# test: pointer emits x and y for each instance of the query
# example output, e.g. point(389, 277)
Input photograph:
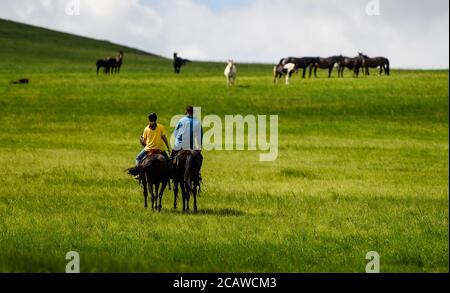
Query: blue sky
point(412, 33)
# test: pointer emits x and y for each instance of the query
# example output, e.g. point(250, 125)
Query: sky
point(411, 33)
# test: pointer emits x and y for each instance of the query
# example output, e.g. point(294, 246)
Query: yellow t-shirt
point(153, 138)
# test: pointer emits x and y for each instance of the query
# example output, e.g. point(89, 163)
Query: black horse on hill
point(376, 62)
point(326, 63)
point(301, 63)
point(178, 63)
point(111, 65)
point(355, 64)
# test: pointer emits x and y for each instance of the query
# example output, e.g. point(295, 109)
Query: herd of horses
point(287, 66)
point(110, 65)
point(155, 175)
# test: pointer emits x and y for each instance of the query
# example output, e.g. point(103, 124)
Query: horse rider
point(153, 140)
point(188, 135)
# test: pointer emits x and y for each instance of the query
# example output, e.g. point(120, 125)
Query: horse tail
point(138, 170)
point(187, 171)
point(388, 69)
point(191, 171)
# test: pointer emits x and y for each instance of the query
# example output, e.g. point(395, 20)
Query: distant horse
point(186, 175)
point(178, 63)
point(231, 72)
point(303, 63)
point(118, 64)
point(376, 62)
point(354, 64)
point(154, 176)
point(280, 70)
point(110, 64)
point(326, 63)
point(20, 81)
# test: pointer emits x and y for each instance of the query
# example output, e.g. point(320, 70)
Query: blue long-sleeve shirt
point(188, 134)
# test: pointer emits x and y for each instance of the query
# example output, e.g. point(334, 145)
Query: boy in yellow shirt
point(153, 139)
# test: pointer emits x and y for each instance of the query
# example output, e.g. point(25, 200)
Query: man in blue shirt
point(188, 134)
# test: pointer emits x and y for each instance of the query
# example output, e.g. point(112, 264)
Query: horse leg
point(194, 192)
point(175, 194)
point(152, 193)
point(161, 193)
point(330, 71)
point(304, 73)
point(158, 205)
point(188, 195)
point(144, 184)
point(183, 194)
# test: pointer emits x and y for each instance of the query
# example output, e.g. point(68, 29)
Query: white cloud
point(413, 34)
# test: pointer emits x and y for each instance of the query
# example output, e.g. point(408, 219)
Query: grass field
point(362, 166)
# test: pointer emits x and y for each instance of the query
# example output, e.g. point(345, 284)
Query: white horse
point(286, 69)
point(231, 72)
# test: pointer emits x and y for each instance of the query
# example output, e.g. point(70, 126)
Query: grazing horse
point(186, 175)
point(154, 176)
point(303, 63)
point(354, 64)
point(326, 63)
point(231, 72)
point(178, 63)
point(376, 62)
point(280, 70)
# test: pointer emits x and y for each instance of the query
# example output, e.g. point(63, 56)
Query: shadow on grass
point(212, 212)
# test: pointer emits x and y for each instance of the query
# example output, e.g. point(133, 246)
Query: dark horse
point(326, 63)
point(110, 64)
point(354, 64)
point(118, 64)
point(186, 175)
point(154, 176)
point(178, 63)
point(376, 62)
point(303, 63)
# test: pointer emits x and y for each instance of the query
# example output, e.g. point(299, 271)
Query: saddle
point(153, 155)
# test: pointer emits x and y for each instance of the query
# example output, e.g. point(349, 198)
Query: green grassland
point(362, 166)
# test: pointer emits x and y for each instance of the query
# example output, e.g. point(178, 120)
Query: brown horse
point(154, 177)
point(326, 63)
point(354, 64)
point(376, 62)
point(186, 175)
